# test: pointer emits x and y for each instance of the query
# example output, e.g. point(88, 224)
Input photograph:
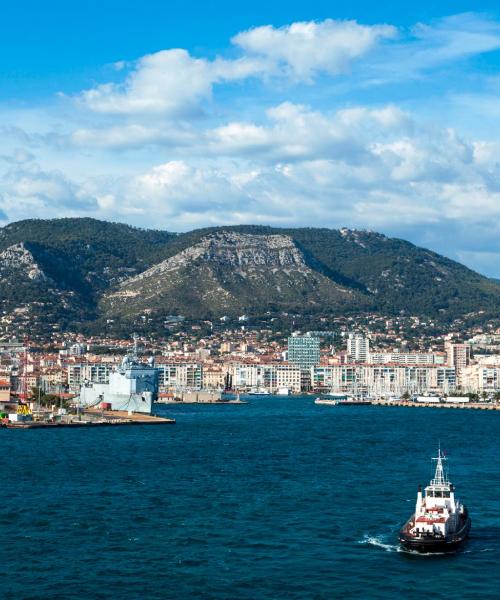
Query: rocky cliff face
point(246, 254)
point(19, 260)
point(228, 272)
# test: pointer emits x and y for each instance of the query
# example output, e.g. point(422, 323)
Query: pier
point(92, 418)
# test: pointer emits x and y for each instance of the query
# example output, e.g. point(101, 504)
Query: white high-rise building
point(358, 347)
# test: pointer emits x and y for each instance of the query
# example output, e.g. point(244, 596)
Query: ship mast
point(440, 477)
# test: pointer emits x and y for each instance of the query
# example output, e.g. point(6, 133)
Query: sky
point(178, 115)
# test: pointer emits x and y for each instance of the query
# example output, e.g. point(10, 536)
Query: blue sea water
point(277, 498)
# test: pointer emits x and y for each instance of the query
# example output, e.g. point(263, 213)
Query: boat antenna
point(440, 475)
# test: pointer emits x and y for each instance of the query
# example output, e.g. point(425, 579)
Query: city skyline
point(378, 118)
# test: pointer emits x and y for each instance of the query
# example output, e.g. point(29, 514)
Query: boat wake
point(380, 543)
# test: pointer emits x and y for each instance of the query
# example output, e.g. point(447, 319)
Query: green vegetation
point(84, 260)
point(47, 400)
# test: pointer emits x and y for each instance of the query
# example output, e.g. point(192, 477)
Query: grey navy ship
point(132, 387)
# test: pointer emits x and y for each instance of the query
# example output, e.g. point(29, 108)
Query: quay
point(134, 418)
point(92, 418)
point(457, 405)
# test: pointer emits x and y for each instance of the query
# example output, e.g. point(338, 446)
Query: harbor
point(459, 402)
point(126, 399)
point(232, 475)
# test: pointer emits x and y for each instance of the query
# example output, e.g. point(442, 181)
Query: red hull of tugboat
point(429, 544)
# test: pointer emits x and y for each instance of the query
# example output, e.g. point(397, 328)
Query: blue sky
point(183, 115)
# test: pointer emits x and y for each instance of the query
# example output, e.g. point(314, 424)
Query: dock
point(93, 418)
point(456, 405)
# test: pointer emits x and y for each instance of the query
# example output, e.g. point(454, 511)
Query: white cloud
point(425, 48)
point(359, 166)
point(172, 82)
point(28, 191)
point(296, 132)
point(169, 81)
point(300, 146)
point(455, 37)
point(179, 190)
point(304, 49)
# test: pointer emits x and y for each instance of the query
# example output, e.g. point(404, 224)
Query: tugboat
point(440, 523)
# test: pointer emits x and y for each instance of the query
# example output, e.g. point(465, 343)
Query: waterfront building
point(480, 378)
point(383, 380)
point(303, 350)
point(358, 348)
point(289, 377)
point(176, 375)
point(213, 379)
point(489, 378)
point(87, 373)
point(268, 377)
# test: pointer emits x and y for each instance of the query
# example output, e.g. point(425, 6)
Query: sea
point(277, 498)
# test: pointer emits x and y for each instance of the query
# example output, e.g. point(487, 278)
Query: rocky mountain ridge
point(77, 273)
point(228, 271)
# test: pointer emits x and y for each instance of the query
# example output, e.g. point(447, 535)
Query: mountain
point(79, 273)
point(228, 272)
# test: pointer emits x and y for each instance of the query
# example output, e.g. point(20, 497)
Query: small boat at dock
point(441, 523)
point(332, 399)
point(326, 401)
point(340, 399)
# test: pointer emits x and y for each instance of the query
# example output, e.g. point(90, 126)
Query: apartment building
point(379, 380)
point(87, 372)
point(457, 355)
point(406, 358)
point(480, 378)
point(180, 375)
point(268, 377)
point(358, 348)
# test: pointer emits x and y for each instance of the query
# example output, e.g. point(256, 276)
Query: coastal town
point(223, 363)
